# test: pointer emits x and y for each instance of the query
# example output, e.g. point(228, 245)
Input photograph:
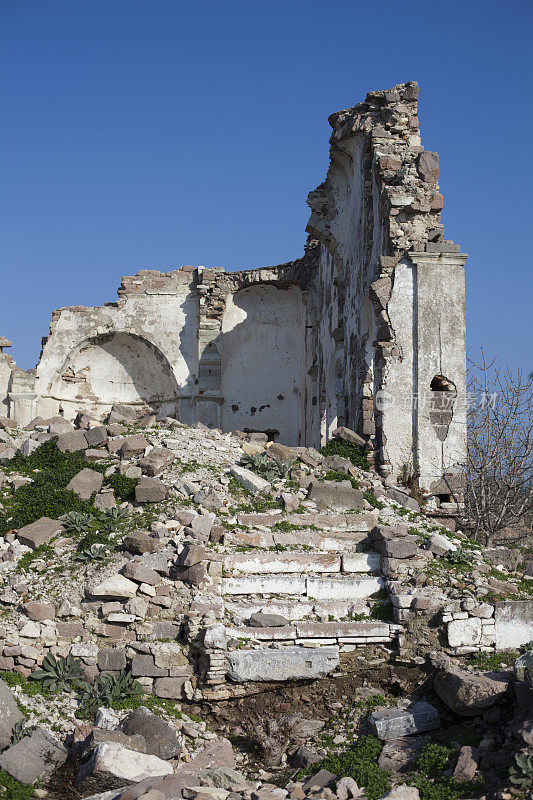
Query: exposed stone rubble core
point(366, 330)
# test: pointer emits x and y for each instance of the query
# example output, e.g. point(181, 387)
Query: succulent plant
point(59, 674)
point(521, 772)
point(112, 517)
point(265, 466)
point(96, 552)
point(75, 522)
point(107, 690)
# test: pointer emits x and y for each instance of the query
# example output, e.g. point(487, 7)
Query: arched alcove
point(117, 368)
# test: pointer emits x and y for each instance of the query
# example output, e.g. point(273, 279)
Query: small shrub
point(13, 790)
point(123, 488)
point(268, 468)
point(433, 759)
point(76, 523)
point(108, 690)
point(44, 552)
point(371, 498)
point(359, 763)
point(338, 475)
point(338, 447)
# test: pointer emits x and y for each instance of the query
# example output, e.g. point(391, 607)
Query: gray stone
point(467, 764)
point(346, 788)
point(440, 544)
point(114, 586)
point(150, 490)
point(140, 542)
point(403, 499)
point(260, 620)
point(34, 758)
point(39, 532)
point(105, 500)
point(156, 461)
point(428, 166)
point(112, 659)
point(144, 665)
point(192, 554)
point(303, 757)
point(290, 663)
point(133, 445)
point(402, 793)
point(169, 688)
point(393, 723)
point(136, 571)
point(347, 435)
point(320, 780)
point(86, 483)
point(10, 714)
point(192, 576)
point(393, 541)
point(38, 611)
point(469, 694)
point(99, 735)
point(250, 480)
point(338, 495)
point(162, 739)
point(113, 760)
point(96, 436)
point(72, 441)
point(201, 526)
point(523, 666)
point(224, 778)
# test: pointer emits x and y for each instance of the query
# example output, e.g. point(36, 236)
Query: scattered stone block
point(72, 441)
point(469, 694)
point(260, 620)
point(34, 758)
point(464, 632)
point(98, 736)
point(289, 663)
point(86, 483)
point(140, 542)
point(254, 483)
point(393, 723)
point(133, 445)
point(162, 740)
point(114, 586)
point(338, 495)
point(10, 714)
point(39, 532)
point(110, 759)
point(347, 435)
point(467, 764)
point(150, 490)
point(38, 611)
point(96, 436)
point(136, 571)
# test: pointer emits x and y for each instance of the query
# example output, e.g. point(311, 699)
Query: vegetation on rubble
point(338, 447)
point(338, 475)
point(521, 772)
point(360, 763)
point(107, 690)
point(51, 471)
point(266, 467)
point(371, 498)
point(59, 674)
point(493, 662)
point(258, 505)
point(13, 790)
point(433, 759)
point(42, 553)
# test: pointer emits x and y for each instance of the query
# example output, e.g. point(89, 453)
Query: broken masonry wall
point(392, 318)
point(141, 350)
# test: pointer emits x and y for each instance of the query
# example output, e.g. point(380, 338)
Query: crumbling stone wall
point(367, 330)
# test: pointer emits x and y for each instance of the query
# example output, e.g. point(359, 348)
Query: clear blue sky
point(156, 133)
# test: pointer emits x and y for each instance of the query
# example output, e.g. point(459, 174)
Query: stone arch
point(116, 367)
point(263, 362)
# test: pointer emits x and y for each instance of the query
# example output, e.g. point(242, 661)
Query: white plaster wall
point(5, 376)
point(328, 322)
point(166, 321)
point(397, 396)
point(441, 348)
point(263, 362)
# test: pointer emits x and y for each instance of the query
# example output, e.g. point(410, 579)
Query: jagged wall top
point(410, 201)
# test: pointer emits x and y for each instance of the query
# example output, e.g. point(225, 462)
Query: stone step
point(262, 563)
point(342, 588)
point(329, 542)
point(259, 562)
point(343, 631)
point(297, 609)
point(322, 519)
point(289, 663)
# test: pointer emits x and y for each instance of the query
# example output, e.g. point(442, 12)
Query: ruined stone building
point(366, 330)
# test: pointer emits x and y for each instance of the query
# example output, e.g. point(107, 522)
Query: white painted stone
point(114, 586)
point(361, 562)
point(343, 588)
point(288, 663)
point(254, 483)
point(268, 563)
point(464, 632)
point(513, 624)
point(264, 585)
point(110, 759)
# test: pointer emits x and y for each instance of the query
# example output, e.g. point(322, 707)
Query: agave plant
point(75, 522)
point(521, 773)
point(59, 674)
point(265, 466)
point(108, 690)
point(96, 552)
point(20, 730)
point(112, 517)
point(458, 556)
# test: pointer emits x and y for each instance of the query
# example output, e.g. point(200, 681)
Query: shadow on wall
point(117, 368)
point(263, 362)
